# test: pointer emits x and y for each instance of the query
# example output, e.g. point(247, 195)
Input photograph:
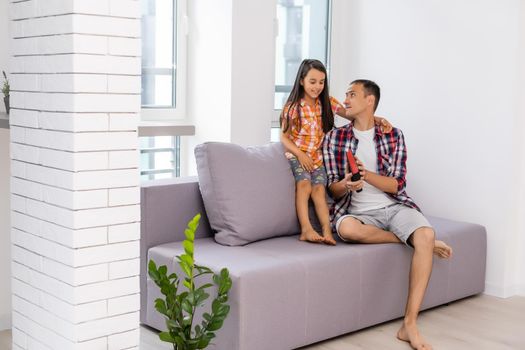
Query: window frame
point(179, 112)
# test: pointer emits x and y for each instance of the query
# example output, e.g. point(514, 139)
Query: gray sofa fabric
point(287, 293)
point(248, 193)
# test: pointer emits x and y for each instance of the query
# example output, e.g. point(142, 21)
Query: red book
point(354, 170)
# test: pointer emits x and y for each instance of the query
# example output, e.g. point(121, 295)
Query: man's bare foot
point(442, 250)
point(311, 236)
point(410, 334)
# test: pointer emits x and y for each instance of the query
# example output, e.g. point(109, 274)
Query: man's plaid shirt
point(391, 161)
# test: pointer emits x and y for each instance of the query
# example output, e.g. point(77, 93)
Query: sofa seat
point(287, 293)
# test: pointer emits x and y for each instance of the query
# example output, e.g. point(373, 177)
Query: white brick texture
point(75, 73)
point(124, 268)
point(124, 340)
point(123, 233)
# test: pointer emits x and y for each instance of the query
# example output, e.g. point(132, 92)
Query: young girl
point(307, 115)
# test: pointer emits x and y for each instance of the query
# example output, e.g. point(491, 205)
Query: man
point(381, 212)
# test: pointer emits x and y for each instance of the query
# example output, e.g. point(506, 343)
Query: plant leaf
point(185, 268)
point(163, 270)
point(186, 259)
point(203, 343)
point(160, 306)
point(180, 307)
point(188, 248)
point(204, 286)
point(153, 273)
point(214, 325)
point(201, 297)
point(165, 336)
point(190, 234)
point(203, 269)
point(187, 306)
point(193, 224)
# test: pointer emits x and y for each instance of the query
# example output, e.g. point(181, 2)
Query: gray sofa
point(287, 293)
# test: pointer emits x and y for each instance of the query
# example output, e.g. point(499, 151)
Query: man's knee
point(424, 237)
point(351, 229)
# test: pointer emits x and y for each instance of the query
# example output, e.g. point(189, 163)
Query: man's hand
point(353, 185)
point(385, 125)
point(306, 162)
point(361, 167)
point(384, 183)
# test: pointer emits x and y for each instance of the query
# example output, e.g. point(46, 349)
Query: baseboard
point(505, 291)
point(5, 322)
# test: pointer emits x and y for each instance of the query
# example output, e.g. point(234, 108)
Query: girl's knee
point(318, 191)
point(304, 186)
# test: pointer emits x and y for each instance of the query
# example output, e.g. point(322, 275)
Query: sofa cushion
point(248, 193)
point(287, 293)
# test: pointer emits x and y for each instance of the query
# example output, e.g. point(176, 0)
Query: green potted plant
point(6, 90)
point(180, 304)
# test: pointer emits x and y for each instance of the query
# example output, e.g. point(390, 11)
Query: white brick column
point(75, 74)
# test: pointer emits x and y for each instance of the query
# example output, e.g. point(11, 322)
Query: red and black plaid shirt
point(391, 161)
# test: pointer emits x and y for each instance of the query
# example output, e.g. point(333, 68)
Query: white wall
point(5, 241)
point(449, 73)
point(520, 126)
point(209, 75)
point(231, 47)
point(253, 76)
point(209, 68)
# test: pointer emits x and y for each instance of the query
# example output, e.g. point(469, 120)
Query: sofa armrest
point(166, 207)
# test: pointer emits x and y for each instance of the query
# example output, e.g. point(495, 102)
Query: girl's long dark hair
point(297, 93)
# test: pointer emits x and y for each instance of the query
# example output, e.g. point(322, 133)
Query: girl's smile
point(313, 84)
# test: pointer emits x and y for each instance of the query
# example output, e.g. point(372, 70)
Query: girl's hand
point(306, 162)
point(385, 125)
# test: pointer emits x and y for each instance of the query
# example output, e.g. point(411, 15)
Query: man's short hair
point(370, 88)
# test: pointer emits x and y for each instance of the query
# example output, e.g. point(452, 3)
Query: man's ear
point(370, 100)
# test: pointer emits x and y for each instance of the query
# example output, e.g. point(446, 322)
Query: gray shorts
point(396, 218)
point(316, 177)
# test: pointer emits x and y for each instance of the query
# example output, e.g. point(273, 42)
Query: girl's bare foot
point(327, 235)
point(311, 236)
point(410, 334)
point(442, 250)
point(329, 239)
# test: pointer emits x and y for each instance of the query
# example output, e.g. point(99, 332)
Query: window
point(164, 30)
point(303, 33)
point(304, 30)
point(163, 59)
point(159, 157)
